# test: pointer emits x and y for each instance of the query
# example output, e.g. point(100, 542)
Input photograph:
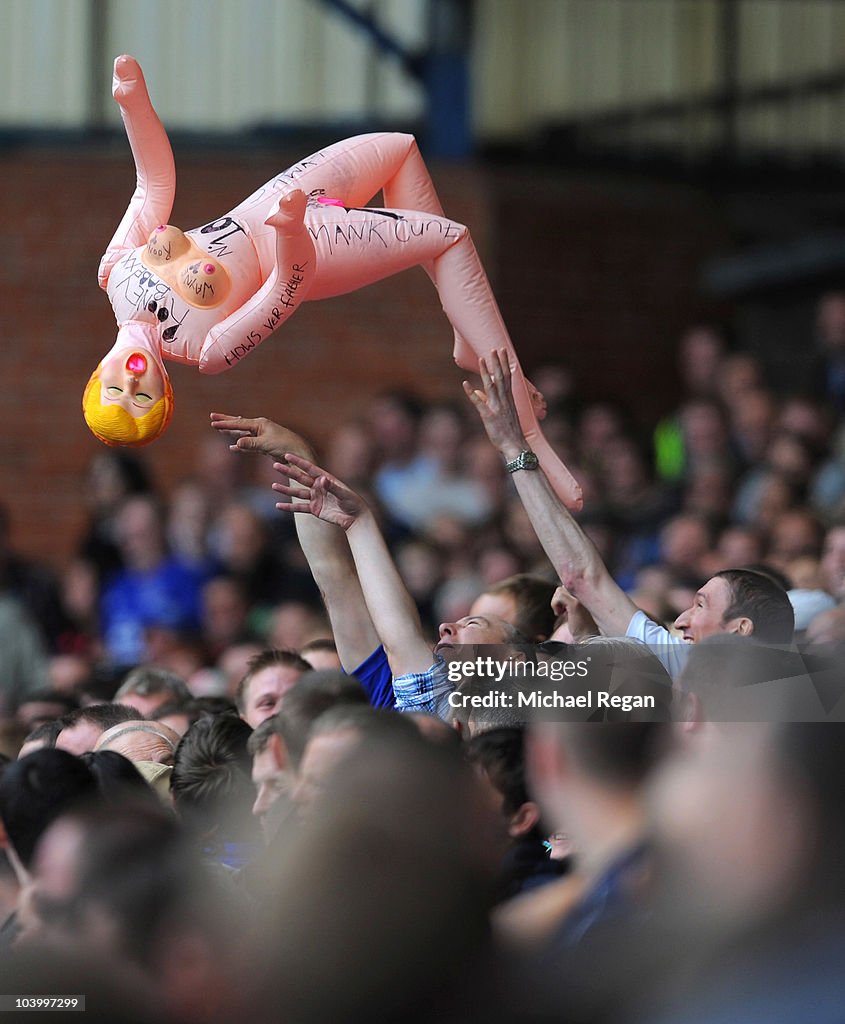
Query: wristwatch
point(525, 460)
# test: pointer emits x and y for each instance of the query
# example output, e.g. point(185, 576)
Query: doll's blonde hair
point(113, 425)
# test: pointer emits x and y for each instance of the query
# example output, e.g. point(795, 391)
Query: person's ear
point(278, 750)
point(691, 717)
point(526, 817)
point(546, 763)
point(744, 626)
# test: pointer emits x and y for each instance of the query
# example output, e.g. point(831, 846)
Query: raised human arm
point(570, 551)
point(392, 609)
point(323, 544)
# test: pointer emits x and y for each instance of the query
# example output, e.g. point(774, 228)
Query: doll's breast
point(188, 282)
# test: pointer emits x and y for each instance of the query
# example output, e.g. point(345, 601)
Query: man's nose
point(447, 630)
point(682, 620)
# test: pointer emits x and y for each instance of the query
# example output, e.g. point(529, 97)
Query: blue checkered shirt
point(425, 691)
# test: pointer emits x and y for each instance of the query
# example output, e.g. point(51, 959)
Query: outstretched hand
point(260, 435)
point(317, 492)
point(495, 405)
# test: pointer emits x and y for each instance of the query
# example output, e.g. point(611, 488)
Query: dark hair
point(215, 705)
point(104, 715)
point(117, 777)
point(267, 659)
point(136, 862)
point(47, 731)
point(617, 754)
point(757, 597)
point(532, 597)
point(35, 790)
point(364, 719)
point(147, 681)
point(212, 772)
point(48, 696)
point(322, 643)
point(406, 401)
point(775, 575)
point(314, 693)
point(500, 753)
point(194, 709)
point(261, 734)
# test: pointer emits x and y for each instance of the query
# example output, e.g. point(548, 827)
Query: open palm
point(313, 490)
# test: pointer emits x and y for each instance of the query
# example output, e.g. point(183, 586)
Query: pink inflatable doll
point(209, 297)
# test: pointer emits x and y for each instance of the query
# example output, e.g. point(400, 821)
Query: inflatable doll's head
point(128, 399)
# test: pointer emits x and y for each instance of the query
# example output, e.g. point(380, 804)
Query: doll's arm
point(282, 293)
point(152, 201)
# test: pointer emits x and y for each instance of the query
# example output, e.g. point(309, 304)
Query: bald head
point(141, 741)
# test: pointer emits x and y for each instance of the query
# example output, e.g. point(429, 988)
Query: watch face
point(525, 460)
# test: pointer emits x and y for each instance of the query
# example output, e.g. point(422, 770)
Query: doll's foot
point(289, 217)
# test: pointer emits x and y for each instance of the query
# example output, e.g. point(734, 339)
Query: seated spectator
point(212, 789)
point(118, 779)
point(293, 624)
point(33, 586)
point(113, 476)
point(152, 589)
point(268, 677)
point(34, 791)
point(335, 735)
point(140, 740)
point(81, 729)
point(147, 688)
point(347, 872)
point(44, 706)
point(833, 561)
point(499, 757)
point(225, 615)
point(243, 547)
point(181, 715)
point(23, 659)
point(592, 775)
point(123, 885)
point(42, 736)
point(270, 772)
point(313, 695)
point(321, 654)
point(448, 491)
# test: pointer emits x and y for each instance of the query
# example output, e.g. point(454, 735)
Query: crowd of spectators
point(213, 809)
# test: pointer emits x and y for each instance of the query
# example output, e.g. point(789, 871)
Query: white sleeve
point(671, 651)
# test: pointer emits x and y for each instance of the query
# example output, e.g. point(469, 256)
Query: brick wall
point(603, 279)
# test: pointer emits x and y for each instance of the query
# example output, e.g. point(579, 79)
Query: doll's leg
point(152, 201)
point(353, 171)
point(469, 304)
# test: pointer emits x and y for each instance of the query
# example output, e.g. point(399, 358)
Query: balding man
point(139, 740)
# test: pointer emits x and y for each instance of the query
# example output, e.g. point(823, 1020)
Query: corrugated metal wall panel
point(224, 65)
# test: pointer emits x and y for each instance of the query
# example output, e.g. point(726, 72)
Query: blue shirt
point(375, 676)
point(168, 596)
